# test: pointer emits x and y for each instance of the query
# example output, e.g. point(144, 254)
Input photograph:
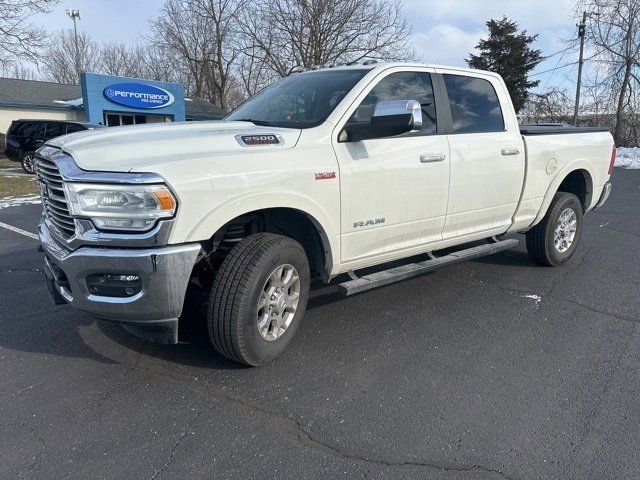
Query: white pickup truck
point(326, 172)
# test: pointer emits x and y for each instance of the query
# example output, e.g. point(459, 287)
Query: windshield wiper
point(254, 121)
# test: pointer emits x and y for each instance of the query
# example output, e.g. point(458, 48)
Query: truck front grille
point(54, 200)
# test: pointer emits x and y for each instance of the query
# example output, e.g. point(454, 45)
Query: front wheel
point(27, 162)
point(258, 298)
point(554, 240)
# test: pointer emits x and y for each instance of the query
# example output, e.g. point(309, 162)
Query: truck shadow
point(513, 258)
point(194, 348)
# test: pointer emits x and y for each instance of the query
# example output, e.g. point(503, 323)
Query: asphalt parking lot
point(491, 369)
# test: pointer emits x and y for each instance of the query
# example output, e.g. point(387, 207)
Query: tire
point(549, 248)
point(27, 162)
point(239, 328)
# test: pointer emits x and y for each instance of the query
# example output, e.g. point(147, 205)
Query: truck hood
point(123, 149)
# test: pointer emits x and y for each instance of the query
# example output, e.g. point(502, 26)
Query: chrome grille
point(54, 201)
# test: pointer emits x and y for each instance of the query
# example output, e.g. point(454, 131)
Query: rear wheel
point(554, 240)
point(27, 162)
point(258, 298)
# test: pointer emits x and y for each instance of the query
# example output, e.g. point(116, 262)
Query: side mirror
point(390, 118)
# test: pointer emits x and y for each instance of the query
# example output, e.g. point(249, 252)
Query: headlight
point(120, 207)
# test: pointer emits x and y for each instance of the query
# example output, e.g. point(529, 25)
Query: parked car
point(24, 137)
point(326, 172)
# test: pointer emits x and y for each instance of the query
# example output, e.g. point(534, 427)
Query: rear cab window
point(474, 103)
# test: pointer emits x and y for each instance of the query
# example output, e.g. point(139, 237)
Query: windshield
point(302, 100)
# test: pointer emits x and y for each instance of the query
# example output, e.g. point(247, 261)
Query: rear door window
point(55, 129)
point(30, 129)
point(475, 107)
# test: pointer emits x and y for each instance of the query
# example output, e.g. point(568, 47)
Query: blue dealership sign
point(103, 94)
point(138, 95)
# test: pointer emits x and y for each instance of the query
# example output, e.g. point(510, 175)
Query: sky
point(443, 32)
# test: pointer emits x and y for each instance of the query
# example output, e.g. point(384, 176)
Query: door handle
point(510, 151)
point(433, 157)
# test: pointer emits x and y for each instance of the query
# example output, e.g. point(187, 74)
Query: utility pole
point(75, 14)
point(581, 34)
point(582, 28)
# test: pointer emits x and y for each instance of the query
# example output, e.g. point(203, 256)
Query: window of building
point(474, 105)
point(117, 119)
point(112, 120)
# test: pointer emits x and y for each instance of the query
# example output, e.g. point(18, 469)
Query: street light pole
point(75, 14)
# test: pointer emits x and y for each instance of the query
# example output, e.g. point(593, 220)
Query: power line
point(542, 59)
point(553, 69)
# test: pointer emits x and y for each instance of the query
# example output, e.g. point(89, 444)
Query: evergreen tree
point(509, 53)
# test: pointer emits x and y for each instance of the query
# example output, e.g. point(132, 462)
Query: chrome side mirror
point(390, 118)
point(388, 108)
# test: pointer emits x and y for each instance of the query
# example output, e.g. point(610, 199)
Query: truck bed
point(557, 129)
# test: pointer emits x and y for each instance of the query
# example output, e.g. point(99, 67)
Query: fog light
point(114, 285)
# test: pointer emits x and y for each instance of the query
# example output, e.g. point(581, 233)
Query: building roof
point(35, 93)
point(39, 94)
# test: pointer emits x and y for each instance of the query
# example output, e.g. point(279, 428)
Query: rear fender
point(557, 181)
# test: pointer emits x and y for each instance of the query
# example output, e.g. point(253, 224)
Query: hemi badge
point(325, 175)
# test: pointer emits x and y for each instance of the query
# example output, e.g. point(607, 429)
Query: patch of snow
point(6, 202)
point(628, 157)
point(536, 298)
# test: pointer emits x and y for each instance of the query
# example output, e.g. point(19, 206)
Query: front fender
point(224, 213)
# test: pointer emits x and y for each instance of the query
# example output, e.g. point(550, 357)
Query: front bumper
point(152, 312)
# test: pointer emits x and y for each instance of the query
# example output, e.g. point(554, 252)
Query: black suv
point(24, 137)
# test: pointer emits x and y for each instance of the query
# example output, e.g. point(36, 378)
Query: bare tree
point(60, 57)
point(202, 38)
point(254, 72)
point(157, 64)
point(615, 32)
point(19, 39)
point(551, 106)
point(285, 33)
point(19, 71)
point(228, 49)
point(186, 38)
point(120, 59)
point(223, 17)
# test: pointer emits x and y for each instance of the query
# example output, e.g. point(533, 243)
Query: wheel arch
point(312, 230)
point(575, 178)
